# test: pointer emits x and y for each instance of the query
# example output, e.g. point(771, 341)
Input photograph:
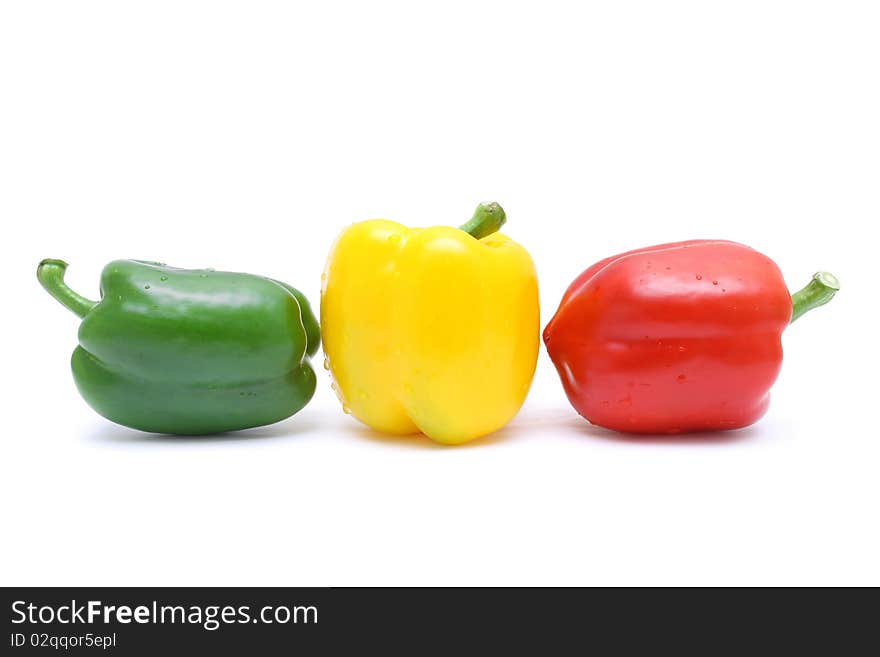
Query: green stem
point(50, 273)
point(487, 219)
point(819, 291)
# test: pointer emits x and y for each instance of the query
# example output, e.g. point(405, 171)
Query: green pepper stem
point(487, 219)
point(819, 291)
point(50, 273)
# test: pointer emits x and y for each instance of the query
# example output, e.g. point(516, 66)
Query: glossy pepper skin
point(191, 352)
point(432, 330)
point(676, 337)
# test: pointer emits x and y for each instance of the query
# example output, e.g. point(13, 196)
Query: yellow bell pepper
point(431, 329)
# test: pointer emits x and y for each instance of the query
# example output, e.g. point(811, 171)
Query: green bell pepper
point(189, 352)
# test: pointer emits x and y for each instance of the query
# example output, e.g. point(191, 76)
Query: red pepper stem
point(819, 291)
point(50, 273)
point(487, 219)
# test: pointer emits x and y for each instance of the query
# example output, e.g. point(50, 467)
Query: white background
point(246, 135)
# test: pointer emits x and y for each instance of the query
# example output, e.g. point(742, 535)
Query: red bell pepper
point(677, 337)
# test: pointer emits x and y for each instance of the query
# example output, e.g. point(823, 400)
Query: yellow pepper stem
point(487, 219)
